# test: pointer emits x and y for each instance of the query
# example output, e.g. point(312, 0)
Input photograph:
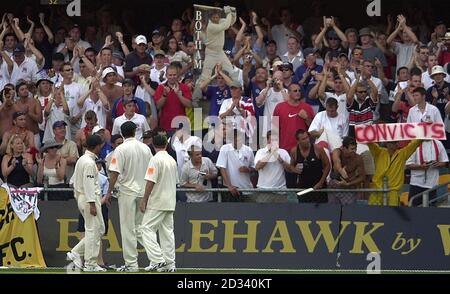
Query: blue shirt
point(140, 104)
point(107, 148)
point(309, 83)
point(216, 96)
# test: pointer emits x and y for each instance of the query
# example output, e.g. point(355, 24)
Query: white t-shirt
point(337, 125)
point(27, 71)
point(72, 92)
point(99, 110)
point(162, 170)
point(272, 175)
point(431, 114)
point(429, 154)
point(144, 95)
point(5, 78)
point(232, 159)
point(56, 114)
point(342, 102)
point(130, 160)
point(140, 121)
point(272, 99)
point(155, 73)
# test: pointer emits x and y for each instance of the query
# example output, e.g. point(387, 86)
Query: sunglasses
point(295, 91)
point(362, 92)
point(336, 39)
point(69, 69)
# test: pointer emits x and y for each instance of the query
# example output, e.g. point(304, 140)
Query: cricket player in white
point(158, 206)
point(87, 193)
point(130, 160)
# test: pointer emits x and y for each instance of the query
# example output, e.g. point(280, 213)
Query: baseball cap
point(156, 32)
point(309, 51)
point(107, 71)
point(287, 65)
point(141, 39)
point(128, 82)
point(19, 48)
point(343, 55)
point(147, 134)
point(75, 26)
point(97, 129)
point(59, 123)
point(159, 53)
point(127, 126)
point(118, 55)
point(93, 140)
point(188, 75)
point(365, 32)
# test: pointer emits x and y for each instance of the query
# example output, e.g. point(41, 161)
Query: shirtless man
point(31, 108)
point(111, 90)
point(18, 128)
point(6, 111)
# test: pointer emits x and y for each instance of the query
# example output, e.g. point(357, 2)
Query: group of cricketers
point(146, 200)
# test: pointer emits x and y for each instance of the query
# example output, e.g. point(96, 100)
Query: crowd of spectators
point(293, 89)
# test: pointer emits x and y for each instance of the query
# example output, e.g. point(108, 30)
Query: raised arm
point(124, 46)
point(47, 30)
point(352, 91)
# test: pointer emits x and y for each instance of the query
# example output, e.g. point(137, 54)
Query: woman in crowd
point(17, 166)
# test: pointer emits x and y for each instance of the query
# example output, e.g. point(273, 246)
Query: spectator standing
point(312, 166)
point(424, 164)
point(404, 50)
point(283, 31)
point(172, 98)
point(294, 54)
point(197, 173)
point(139, 120)
point(271, 162)
point(236, 162)
point(292, 114)
point(52, 169)
point(17, 165)
point(348, 172)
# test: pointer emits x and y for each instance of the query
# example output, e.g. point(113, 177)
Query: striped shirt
point(361, 114)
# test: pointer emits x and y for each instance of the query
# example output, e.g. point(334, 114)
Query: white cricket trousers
point(89, 246)
point(161, 222)
point(130, 222)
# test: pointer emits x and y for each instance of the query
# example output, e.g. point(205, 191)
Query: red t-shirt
point(290, 122)
point(173, 106)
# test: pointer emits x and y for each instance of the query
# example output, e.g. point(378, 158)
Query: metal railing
point(425, 195)
point(385, 191)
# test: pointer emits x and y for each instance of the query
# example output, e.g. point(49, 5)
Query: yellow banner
point(19, 241)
